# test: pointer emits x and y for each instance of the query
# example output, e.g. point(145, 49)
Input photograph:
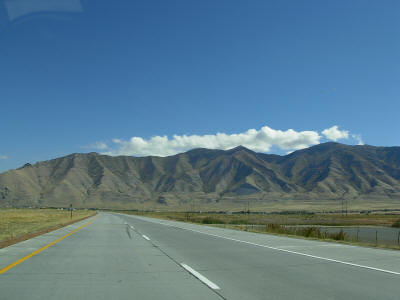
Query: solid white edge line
point(200, 277)
point(145, 237)
point(283, 250)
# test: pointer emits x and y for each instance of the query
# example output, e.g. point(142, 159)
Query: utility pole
point(70, 208)
point(248, 211)
point(190, 209)
point(342, 207)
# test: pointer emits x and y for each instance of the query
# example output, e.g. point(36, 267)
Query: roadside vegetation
point(396, 224)
point(310, 232)
point(284, 218)
point(20, 224)
point(300, 224)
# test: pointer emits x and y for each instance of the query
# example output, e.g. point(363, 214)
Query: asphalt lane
point(128, 257)
point(248, 271)
point(105, 260)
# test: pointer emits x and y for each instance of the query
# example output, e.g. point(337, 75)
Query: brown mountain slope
point(211, 178)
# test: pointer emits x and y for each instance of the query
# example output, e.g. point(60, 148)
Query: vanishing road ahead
point(115, 256)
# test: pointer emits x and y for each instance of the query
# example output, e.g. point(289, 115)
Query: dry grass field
point(20, 224)
point(334, 219)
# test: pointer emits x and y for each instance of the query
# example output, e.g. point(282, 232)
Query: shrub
point(211, 220)
point(396, 223)
point(339, 236)
point(238, 221)
point(310, 232)
point(274, 227)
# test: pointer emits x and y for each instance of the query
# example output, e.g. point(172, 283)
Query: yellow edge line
point(5, 269)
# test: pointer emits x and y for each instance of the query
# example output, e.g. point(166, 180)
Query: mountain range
point(320, 176)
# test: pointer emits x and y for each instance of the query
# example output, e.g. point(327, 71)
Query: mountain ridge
point(212, 178)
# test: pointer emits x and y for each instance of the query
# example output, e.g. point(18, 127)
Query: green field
point(20, 224)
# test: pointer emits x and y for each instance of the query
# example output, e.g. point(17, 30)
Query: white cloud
point(358, 138)
point(335, 134)
point(3, 157)
point(258, 140)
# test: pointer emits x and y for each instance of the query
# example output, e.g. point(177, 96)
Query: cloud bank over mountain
point(261, 140)
point(335, 134)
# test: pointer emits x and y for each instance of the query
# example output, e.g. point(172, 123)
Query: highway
point(116, 256)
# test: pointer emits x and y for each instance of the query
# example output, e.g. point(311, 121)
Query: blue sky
point(89, 75)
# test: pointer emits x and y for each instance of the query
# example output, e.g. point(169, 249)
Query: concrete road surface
point(116, 256)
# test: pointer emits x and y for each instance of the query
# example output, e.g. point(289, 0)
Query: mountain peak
point(239, 149)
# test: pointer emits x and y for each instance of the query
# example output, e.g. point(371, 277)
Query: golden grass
point(20, 224)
